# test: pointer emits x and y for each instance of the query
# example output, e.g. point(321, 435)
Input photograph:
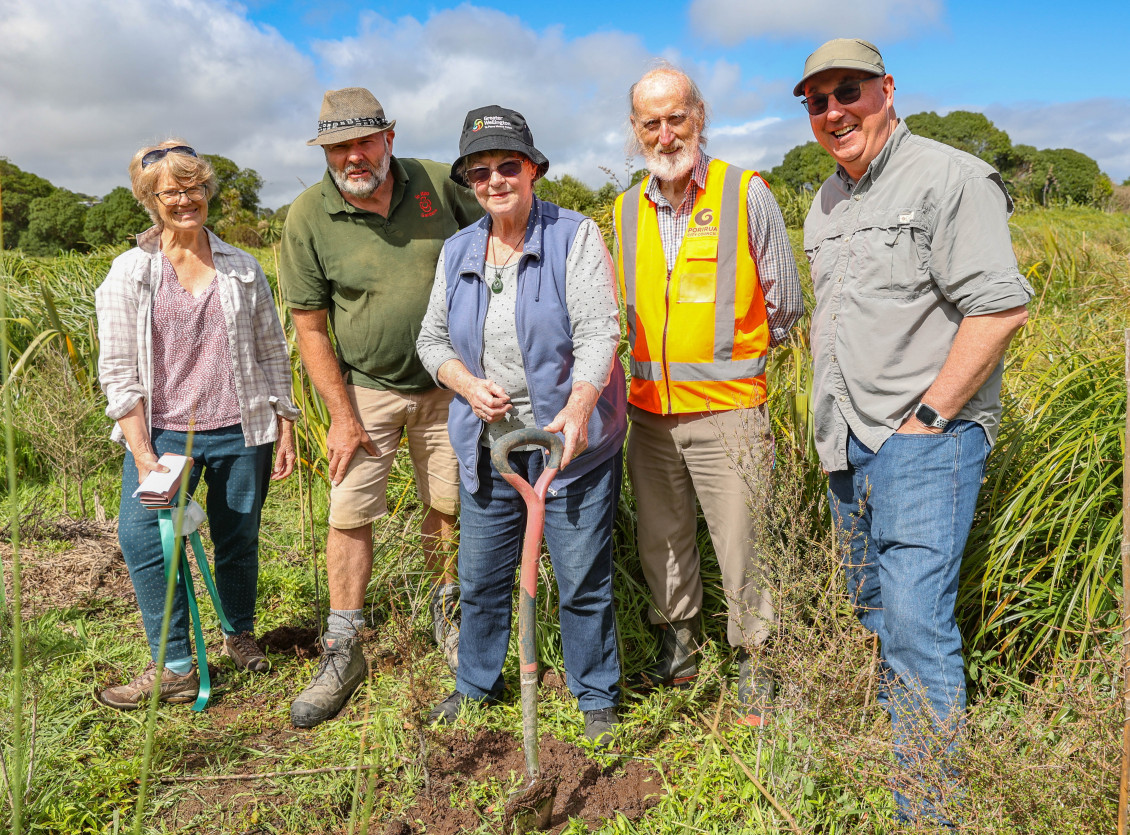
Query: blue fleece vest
point(544, 336)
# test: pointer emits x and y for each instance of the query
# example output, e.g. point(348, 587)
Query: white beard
point(668, 167)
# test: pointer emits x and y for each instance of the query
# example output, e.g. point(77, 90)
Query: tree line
point(1059, 175)
point(42, 219)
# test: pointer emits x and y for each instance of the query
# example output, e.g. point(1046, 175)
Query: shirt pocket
point(698, 280)
point(889, 255)
point(822, 257)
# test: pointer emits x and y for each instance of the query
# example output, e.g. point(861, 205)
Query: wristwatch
point(929, 417)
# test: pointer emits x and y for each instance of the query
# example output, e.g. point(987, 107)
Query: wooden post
point(1124, 781)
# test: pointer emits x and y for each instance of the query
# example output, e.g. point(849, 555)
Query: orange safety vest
point(699, 335)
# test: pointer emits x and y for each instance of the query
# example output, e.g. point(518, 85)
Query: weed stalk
point(16, 793)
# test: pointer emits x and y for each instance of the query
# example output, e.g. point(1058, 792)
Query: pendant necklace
point(496, 285)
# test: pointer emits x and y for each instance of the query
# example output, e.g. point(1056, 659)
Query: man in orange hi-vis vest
point(710, 285)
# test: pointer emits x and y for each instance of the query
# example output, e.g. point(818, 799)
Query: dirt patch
point(299, 641)
point(586, 789)
point(91, 569)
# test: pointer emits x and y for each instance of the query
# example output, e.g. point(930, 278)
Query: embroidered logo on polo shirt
point(426, 207)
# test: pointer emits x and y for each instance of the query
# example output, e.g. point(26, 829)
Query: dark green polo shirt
point(374, 274)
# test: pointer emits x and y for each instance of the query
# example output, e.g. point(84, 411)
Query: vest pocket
point(698, 277)
point(696, 288)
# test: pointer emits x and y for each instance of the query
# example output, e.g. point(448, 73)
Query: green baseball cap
point(842, 54)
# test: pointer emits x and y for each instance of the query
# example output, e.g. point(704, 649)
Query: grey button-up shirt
point(898, 260)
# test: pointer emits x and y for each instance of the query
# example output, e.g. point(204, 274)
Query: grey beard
point(366, 188)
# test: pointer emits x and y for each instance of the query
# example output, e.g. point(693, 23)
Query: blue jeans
point(237, 477)
point(903, 515)
point(578, 530)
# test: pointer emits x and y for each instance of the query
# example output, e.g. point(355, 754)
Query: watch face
point(926, 415)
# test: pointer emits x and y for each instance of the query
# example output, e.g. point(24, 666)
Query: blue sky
point(83, 83)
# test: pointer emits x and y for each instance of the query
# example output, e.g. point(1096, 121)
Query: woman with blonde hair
point(190, 342)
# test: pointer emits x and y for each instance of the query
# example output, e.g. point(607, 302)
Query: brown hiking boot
point(175, 689)
point(245, 653)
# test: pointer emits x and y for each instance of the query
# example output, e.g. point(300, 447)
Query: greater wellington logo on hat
point(347, 114)
point(478, 126)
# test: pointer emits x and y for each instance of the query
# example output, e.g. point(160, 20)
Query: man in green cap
point(359, 255)
point(917, 297)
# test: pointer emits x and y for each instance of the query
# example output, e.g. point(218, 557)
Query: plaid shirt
point(768, 244)
point(260, 356)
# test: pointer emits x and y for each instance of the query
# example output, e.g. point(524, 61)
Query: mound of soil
point(586, 788)
point(301, 642)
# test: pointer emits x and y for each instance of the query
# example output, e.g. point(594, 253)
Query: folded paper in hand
point(158, 489)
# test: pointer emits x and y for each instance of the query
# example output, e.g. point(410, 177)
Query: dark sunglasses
point(480, 174)
point(161, 153)
point(846, 93)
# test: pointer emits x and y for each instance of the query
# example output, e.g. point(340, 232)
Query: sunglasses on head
point(846, 93)
point(160, 153)
point(481, 173)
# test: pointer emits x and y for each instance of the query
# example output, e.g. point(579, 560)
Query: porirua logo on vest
point(704, 226)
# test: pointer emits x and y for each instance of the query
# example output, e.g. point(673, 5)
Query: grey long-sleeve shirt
point(898, 260)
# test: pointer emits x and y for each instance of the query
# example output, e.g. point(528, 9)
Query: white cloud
point(733, 21)
point(428, 74)
point(87, 83)
point(1099, 128)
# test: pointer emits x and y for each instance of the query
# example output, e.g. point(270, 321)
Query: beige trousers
point(722, 459)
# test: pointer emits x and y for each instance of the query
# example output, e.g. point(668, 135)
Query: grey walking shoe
point(245, 653)
point(445, 623)
point(677, 664)
point(341, 669)
point(176, 689)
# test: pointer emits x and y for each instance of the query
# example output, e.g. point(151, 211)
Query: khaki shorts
point(387, 416)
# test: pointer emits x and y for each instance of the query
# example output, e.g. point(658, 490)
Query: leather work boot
point(175, 689)
point(448, 710)
point(600, 727)
point(245, 653)
point(756, 690)
point(445, 623)
point(677, 664)
point(341, 669)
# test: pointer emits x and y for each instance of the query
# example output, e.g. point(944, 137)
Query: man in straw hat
point(917, 298)
point(359, 254)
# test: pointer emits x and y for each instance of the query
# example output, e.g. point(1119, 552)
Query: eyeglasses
point(480, 174)
point(172, 196)
point(846, 93)
point(160, 153)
